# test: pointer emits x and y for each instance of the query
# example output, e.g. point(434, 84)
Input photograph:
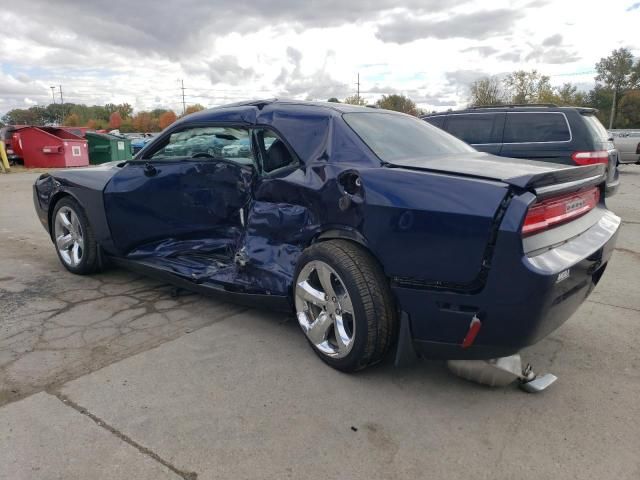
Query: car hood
point(516, 172)
point(91, 177)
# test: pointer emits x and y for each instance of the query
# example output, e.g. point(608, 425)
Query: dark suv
point(569, 135)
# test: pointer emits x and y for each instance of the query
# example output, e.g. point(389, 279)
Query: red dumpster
point(79, 131)
point(52, 147)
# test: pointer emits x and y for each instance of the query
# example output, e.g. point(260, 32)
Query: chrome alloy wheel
point(324, 309)
point(69, 236)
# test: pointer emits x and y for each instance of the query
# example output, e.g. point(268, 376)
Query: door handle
point(149, 170)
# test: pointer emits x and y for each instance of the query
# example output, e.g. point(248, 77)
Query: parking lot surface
point(110, 376)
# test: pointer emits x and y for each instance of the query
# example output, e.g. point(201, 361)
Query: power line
point(225, 90)
point(588, 72)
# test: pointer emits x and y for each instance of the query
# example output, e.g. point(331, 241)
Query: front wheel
point(73, 237)
point(344, 305)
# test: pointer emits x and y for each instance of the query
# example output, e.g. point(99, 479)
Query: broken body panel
point(446, 231)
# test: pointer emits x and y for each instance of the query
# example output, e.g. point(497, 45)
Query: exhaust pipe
point(500, 372)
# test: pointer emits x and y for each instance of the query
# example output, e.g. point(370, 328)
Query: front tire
point(344, 305)
point(73, 237)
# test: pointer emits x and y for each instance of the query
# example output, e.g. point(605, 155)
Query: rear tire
point(344, 305)
point(73, 237)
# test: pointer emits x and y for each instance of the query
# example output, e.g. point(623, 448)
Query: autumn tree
point(487, 91)
point(125, 110)
point(142, 122)
point(115, 120)
point(193, 108)
point(72, 120)
point(355, 100)
point(618, 73)
point(399, 103)
point(166, 119)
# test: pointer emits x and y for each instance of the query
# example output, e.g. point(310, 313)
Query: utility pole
point(62, 105)
point(53, 97)
point(613, 110)
point(358, 84)
point(184, 108)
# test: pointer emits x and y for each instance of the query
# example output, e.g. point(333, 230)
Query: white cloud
point(225, 51)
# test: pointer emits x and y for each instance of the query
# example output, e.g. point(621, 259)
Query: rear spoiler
point(545, 178)
point(563, 180)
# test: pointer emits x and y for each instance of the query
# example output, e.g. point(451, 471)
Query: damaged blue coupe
point(376, 228)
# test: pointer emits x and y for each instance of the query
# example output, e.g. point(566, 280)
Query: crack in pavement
point(141, 448)
point(57, 328)
point(612, 305)
point(628, 250)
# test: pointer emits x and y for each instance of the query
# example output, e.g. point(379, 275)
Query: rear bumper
point(519, 304)
point(612, 183)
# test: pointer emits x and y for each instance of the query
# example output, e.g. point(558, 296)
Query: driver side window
point(228, 143)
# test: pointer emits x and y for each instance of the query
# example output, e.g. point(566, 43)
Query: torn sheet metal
point(260, 258)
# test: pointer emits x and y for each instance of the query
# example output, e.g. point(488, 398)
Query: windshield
point(394, 137)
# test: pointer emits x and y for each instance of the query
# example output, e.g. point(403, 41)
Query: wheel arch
point(342, 234)
point(349, 235)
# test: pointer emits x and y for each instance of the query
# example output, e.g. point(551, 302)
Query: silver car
point(628, 144)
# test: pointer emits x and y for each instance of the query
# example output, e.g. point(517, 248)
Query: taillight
point(589, 158)
point(556, 210)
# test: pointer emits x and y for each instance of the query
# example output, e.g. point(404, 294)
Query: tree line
point(616, 93)
point(616, 96)
point(97, 117)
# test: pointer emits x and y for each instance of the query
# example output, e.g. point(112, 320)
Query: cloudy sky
point(137, 51)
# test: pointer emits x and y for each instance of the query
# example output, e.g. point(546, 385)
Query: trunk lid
point(543, 177)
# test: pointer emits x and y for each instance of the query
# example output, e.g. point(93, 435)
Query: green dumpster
point(107, 148)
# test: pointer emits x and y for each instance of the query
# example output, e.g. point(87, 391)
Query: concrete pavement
point(137, 384)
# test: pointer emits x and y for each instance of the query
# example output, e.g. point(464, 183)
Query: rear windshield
point(596, 129)
point(395, 137)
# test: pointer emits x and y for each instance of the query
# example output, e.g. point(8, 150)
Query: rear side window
point(596, 129)
point(436, 121)
point(532, 127)
point(473, 128)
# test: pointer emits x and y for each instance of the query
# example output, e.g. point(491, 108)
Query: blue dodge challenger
point(379, 230)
